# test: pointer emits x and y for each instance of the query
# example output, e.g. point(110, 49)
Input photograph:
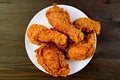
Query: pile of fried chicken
point(66, 40)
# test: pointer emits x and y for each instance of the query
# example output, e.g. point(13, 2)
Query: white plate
point(40, 18)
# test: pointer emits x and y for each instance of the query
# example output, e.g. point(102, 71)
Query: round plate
point(40, 18)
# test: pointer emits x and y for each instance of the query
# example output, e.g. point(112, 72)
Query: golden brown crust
point(39, 33)
point(83, 50)
point(79, 45)
point(87, 25)
point(52, 60)
point(60, 20)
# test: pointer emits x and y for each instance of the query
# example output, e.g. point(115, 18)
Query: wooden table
point(14, 18)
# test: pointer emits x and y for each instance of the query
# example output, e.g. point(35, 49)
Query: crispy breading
point(83, 50)
point(39, 33)
point(91, 40)
point(87, 25)
point(52, 60)
point(77, 51)
point(77, 40)
point(60, 20)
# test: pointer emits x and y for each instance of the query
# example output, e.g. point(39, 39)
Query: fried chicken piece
point(88, 25)
point(91, 40)
point(83, 50)
point(77, 51)
point(39, 33)
point(60, 20)
point(52, 60)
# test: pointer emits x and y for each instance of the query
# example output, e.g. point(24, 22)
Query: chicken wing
point(52, 60)
point(39, 33)
point(83, 50)
point(60, 20)
point(88, 25)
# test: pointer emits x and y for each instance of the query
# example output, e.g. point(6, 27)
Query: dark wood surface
point(14, 18)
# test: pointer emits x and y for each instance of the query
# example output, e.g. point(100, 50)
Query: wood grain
point(14, 18)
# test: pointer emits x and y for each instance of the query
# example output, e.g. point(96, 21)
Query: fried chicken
point(39, 33)
point(77, 40)
point(60, 20)
point(83, 50)
point(52, 60)
point(87, 25)
point(91, 40)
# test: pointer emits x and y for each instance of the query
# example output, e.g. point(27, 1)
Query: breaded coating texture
point(65, 40)
point(39, 33)
point(60, 20)
point(83, 50)
point(87, 25)
point(52, 60)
